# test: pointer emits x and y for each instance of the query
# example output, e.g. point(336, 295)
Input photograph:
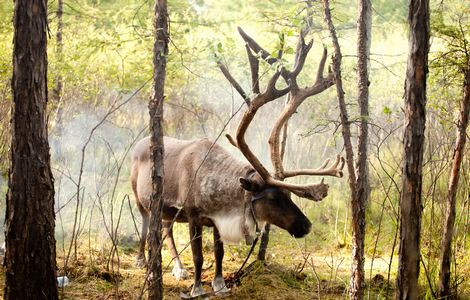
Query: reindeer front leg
point(195, 233)
point(218, 284)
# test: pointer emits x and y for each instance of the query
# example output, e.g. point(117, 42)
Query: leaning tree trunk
point(413, 141)
point(160, 52)
point(358, 177)
point(30, 243)
point(444, 290)
point(345, 128)
point(360, 199)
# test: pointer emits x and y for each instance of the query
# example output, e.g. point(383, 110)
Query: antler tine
point(256, 47)
point(325, 163)
point(254, 66)
point(301, 53)
point(321, 66)
point(336, 170)
point(321, 83)
point(231, 140)
point(233, 82)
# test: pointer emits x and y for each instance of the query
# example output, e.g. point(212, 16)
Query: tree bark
point(360, 199)
point(444, 290)
point(30, 243)
point(160, 52)
point(415, 120)
point(57, 90)
point(358, 176)
point(263, 246)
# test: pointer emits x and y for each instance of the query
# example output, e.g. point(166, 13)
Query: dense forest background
point(106, 66)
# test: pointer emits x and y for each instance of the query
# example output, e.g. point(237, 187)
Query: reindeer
point(205, 186)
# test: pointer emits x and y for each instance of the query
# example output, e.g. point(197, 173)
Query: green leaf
point(387, 111)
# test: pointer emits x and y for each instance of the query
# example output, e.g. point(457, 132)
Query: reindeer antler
point(297, 96)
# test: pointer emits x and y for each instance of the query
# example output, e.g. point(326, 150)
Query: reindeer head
point(274, 205)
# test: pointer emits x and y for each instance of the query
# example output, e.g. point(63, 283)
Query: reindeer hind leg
point(141, 262)
point(179, 271)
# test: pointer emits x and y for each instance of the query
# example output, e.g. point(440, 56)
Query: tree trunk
point(57, 90)
point(30, 243)
point(263, 246)
point(415, 119)
point(358, 177)
point(360, 199)
point(444, 290)
point(345, 128)
point(160, 52)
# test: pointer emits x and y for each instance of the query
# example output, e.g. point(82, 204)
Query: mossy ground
point(307, 268)
point(291, 271)
point(294, 269)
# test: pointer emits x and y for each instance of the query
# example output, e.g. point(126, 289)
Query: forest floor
point(322, 277)
point(290, 272)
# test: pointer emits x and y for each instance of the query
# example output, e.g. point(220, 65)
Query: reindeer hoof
point(219, 286)
point(179, 272)
point(198, 291)
point(140, 262)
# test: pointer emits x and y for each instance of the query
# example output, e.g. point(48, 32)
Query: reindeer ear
point(249, 185)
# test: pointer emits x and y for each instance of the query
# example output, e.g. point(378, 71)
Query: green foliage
point(108, 54)
point(451, 26)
